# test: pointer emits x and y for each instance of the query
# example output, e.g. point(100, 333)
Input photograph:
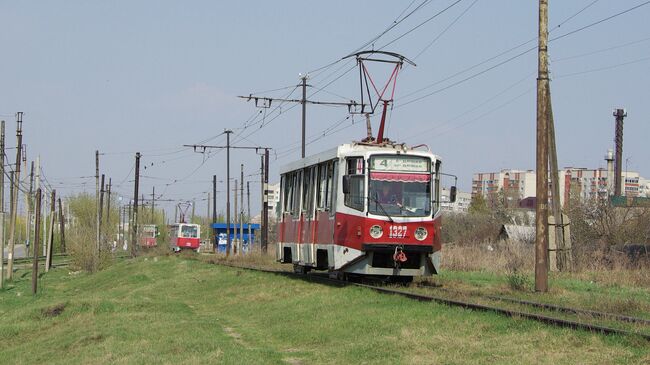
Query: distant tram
point(148, 235)
point(184, 236)
point(362, 209)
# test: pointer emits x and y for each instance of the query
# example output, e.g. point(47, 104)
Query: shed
point(220, 231)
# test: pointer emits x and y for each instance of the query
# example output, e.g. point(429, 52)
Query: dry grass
point(500, 257)
point(254, 258)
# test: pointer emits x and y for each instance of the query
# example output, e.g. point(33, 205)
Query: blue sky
point(151, 76)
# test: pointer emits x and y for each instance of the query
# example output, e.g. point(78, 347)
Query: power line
point(507, 60)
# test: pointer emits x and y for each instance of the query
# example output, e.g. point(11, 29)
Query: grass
point(178, 309)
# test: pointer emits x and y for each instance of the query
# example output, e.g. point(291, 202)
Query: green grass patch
point(179, 310)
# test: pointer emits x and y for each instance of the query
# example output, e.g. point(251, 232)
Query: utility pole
point(214, 212)
point(303, 101)
point(228, 147)
point(102, 190)
point(2, 204)
point(44, 221)
point(134, 229)
point(37, 185)
point(261, 201)
point(14, 201)
point(193, 210)
point(62, 225)
point(266, 103)
point(241, 210)
point(541, 211)
point(98, 223)
point(248, 202)
point(228, 240)
point(50, 233)
point(620, 114)
point(108, 203)
point(562, 252)
point(37, 238)
point(265, 214)
point(153, 202)
point(29, 201)
point(236, 215)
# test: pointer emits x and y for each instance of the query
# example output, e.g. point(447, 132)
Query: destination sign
point(399, 163)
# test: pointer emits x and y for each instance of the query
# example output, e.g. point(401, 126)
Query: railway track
point(543, 318)
point(546, 306)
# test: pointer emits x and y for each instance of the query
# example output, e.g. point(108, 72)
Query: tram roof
point(350, 149)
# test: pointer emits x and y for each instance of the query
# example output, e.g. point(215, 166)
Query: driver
point(385, 196)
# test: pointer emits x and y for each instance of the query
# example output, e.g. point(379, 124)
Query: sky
point(151, 76)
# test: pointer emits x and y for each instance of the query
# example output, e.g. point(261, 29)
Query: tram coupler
point(399, 256)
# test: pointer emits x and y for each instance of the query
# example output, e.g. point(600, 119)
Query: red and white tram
point(362, 208)
point(148, 235)
point(185, 236)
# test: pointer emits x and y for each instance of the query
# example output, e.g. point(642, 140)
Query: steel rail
point(559, 322)
point(552, 307)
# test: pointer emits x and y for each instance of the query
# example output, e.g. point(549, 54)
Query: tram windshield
point(400, 186)
point(149, 231)
point(189, 231)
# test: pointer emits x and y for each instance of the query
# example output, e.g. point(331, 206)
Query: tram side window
point(322, 186)
point(286, 192)
point(308, 191)
point(289, 193)
point(333, 183)
point(355, 170)
point(295, 205)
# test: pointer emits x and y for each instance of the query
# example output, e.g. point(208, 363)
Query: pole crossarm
point(206, 147)
point(351, 103)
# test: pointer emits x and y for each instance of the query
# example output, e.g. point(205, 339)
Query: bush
point(81, 235)
point(519, 281)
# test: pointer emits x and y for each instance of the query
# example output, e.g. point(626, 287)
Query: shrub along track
point(555, 321)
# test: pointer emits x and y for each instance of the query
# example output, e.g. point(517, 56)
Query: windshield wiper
point(382, 208)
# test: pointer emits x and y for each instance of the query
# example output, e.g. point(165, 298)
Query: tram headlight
point(376, 231)
point(421, 233)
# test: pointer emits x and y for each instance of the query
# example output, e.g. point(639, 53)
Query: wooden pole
point(14, 199)
point(265, 215)
point(214, 213)
point(134, 229)
point(50, 233)
point(62, 225)
point(2, 204)
point(236, 216)
point(248, 202)
point(541, 211)
point(241, 211)
point(102, 190)
point(108, 204)
point(37, 238)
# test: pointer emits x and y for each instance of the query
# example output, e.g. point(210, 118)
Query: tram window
point(333, 183)
point(308, 191)
point(295, 205)
point(287, 180)
point(322, 186)
point(355, 169)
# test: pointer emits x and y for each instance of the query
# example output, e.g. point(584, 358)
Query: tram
point(148, 235)
point(184, 236)
point(362, 209)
